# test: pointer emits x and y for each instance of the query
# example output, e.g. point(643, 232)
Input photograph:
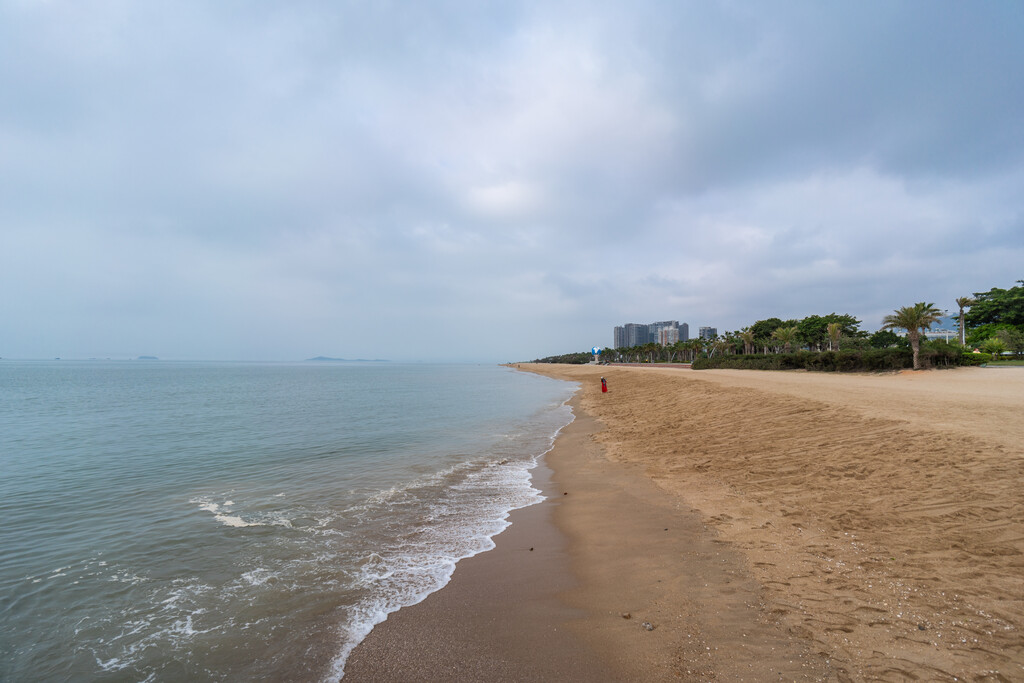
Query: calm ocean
point(176, 521)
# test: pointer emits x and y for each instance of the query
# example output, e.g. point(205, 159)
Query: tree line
point(991, 321)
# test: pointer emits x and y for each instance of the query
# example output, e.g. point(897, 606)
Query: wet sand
point(499, 619)
point(766, 526)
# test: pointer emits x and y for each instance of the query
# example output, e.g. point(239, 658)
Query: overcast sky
point(493, 181)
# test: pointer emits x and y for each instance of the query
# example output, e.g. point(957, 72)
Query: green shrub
point(739, 362)
point(871, 360)
point(895, 358)
point(854, 344)
point(934, 354)
point(826, 362)
point(940, 353)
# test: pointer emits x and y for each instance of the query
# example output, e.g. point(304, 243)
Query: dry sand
point(748, 526)
point(876, 521)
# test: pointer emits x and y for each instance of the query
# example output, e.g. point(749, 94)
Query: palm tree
point(672, 350)
point(995, 346)
point(914, 319)
point(963, 302)
point(786, 335)
point(697, 345)
point(834, 331)
point(747, 335)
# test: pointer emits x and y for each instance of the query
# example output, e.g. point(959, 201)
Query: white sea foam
point(425, 561)
point(258, 577)
point(112, 664)
point(223, 513)
point(125, 576)
point(183, 627)
point(232, 520)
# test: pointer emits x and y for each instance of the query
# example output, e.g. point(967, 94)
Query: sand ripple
point(883, 515)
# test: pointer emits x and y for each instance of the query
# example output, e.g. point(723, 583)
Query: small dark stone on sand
point(626, 615)
point(531, 550)
point(566, 493)
point(920, 627)
point(648, 626)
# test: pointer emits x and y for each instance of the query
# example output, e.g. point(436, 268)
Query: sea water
point(173, 521)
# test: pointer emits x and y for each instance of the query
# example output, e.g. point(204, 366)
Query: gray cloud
point(490, 182)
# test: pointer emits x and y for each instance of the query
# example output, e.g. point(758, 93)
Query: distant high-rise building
point(666, 332)
point(667, 336)
point(708, 332)
point(637, 334)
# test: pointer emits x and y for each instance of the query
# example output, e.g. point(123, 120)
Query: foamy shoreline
point(499, 618)
point(518, 476)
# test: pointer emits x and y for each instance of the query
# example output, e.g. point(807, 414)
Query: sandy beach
point(739, 525)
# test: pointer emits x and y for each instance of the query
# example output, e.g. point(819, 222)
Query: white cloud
point(510, 199)
point(508, 181)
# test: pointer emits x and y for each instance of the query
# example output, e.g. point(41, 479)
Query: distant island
point(148, 358)
point(349, 360)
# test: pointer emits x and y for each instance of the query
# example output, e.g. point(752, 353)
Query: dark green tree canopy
point(998, 306)
point(813, 330)
point(763, 329)
point(1013, 338)
point(883, 339)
